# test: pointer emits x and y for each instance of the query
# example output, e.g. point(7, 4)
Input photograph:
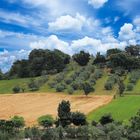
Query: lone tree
point(82, 58)
point(64, 113)
point(121, 87)
point(87, 87)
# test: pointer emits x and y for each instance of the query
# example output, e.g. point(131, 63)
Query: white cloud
point(97, 3)
point(18, 19)
point(52, 42)
point(68, 22)
point(126, 32)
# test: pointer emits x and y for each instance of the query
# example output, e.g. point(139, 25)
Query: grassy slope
point(136, 90)
point(122, 109)
point(6, 86)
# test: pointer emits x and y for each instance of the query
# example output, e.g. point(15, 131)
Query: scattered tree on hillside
point(100, 59)
point(112, 51)
point(87, 87)
point(82, 58)
point(121, 87)
point(133, 50)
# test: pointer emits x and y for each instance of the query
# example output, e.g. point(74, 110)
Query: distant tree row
point(42, 62)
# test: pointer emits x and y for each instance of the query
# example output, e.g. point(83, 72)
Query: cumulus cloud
point(52, 42)
point(88, 44)
point(127, 32)
point(97, 3)
point(72, 23)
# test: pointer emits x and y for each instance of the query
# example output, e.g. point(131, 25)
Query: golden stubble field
point(33, 105)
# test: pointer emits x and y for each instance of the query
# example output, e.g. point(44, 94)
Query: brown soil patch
point(31, 106)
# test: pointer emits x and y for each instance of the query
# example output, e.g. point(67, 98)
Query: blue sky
point(67, 25)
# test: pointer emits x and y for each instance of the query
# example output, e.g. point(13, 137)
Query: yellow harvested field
point(33, 105)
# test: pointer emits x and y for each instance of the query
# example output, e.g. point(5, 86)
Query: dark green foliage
point(113, 51)
point(111, 81)
point(108, 85)
point(100, 59)
point(78, 118)
point(82, 58)
point(70, 90)
point(33, 85)
point(52, 84)
point(64, 113)
point(135, 121)
point(130, 87)
point(98, 74)
point(121, 87)
point(68, 80)
point(20, 68)
point(16, 89)
point(133, 50)
point(134, 76)
point(50, 134)
point(18, 122)
point(60, 87)
point(40, 62)
point(46, 121)
point(106, 119)
point(87, 87)
point(33, 133)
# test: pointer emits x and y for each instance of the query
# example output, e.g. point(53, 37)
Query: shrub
point(68, 81)
point(52, 84)
point(60, 87)
point(59, 77)
point(130, 87)
point(108, 85)
point(18, 121)
point(16, 89)
point(33, 85)
point(106, 119)
point(70, 90)
point(78, 118)
point(82, 58)
point(98, 74)
point(46, 121)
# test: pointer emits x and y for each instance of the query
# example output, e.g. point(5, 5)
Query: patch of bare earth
point(31, 106)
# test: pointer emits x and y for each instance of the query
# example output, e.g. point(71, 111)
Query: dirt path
point(31, 106)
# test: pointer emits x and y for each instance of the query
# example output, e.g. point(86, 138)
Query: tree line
point(42, 62)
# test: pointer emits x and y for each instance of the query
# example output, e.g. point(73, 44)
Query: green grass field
point(122, 109)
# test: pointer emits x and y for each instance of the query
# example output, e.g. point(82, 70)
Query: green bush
point(60, 87)
point(46, 121)
point(16, 89)
point(108, 85)
point(33, 85)
point(107, 118)
point(70, 90)
point(78, 118)
point(52, 84)
point(130, 87)
point(68, 80)
point(18, 121)
point(98, 73)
